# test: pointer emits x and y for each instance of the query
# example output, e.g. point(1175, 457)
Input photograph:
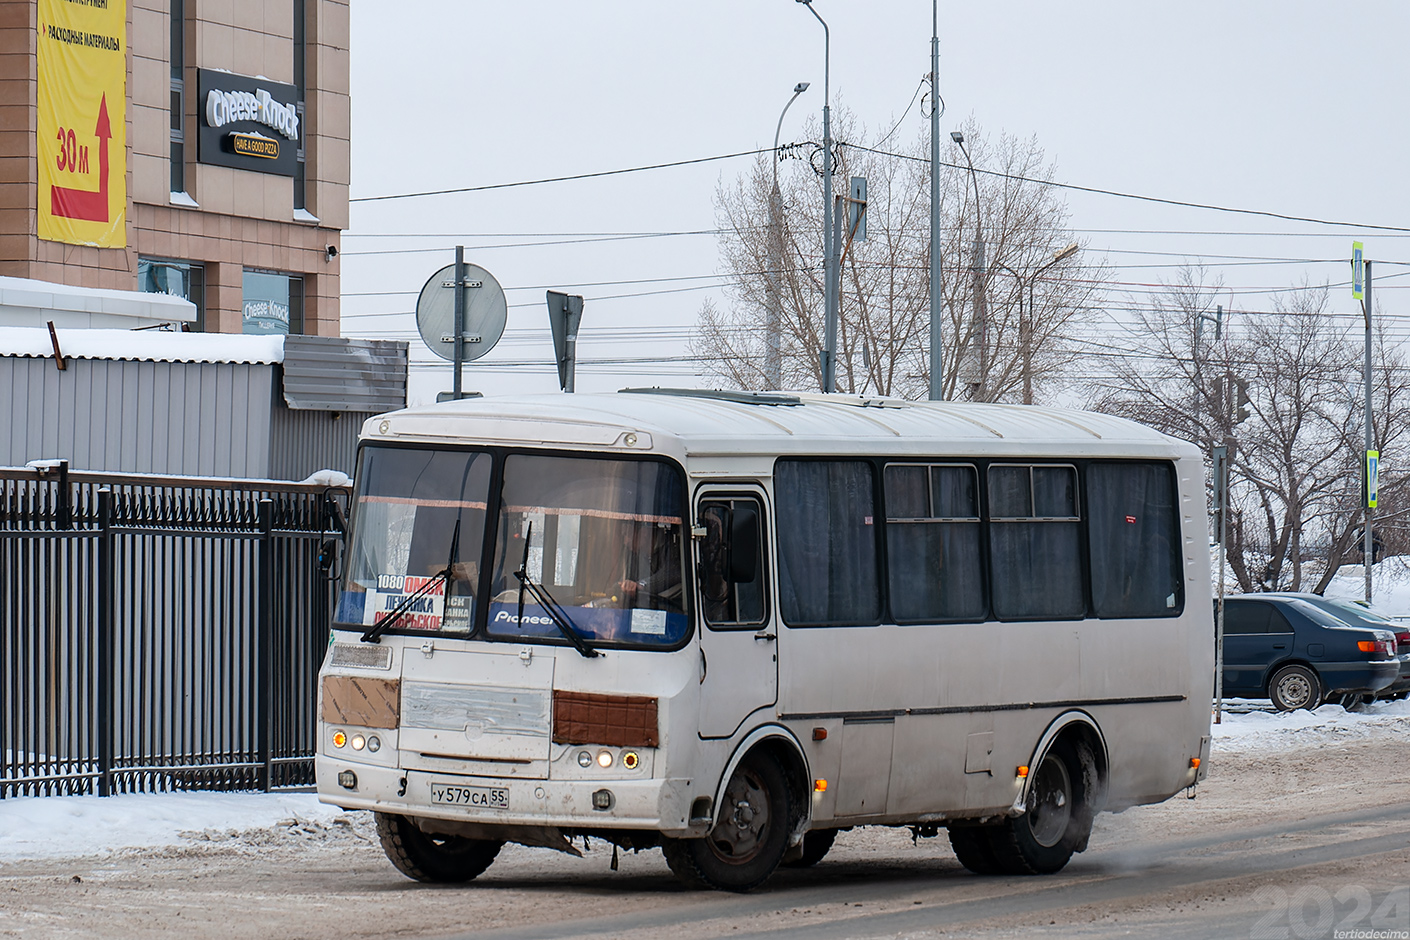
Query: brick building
point(232, 150)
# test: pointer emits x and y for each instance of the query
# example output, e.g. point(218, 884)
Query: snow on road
point(82, 826)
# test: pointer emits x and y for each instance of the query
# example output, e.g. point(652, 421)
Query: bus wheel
point(749, 840)
point(974, 848)
point(436, 858)
point(1057, 820)
point(1294, 687)
point(816, 844)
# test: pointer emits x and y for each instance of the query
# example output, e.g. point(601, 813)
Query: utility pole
point(829, 352)
point(1371, 460)
point(937, 352)
point(459, 344)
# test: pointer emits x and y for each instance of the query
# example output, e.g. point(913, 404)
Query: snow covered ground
point(83, 826)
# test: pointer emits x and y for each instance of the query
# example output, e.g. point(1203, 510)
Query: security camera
point(331, 251)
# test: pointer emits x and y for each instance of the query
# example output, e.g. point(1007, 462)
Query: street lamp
point(1025, 326)
point(977, 266)
point(773, 355)
point(829, 354)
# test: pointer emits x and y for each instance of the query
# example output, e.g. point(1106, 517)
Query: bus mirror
point(744, 545)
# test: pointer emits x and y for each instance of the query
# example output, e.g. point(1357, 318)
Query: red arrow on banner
point(82, 204)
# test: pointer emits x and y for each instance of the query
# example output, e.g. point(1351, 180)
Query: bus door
point(738, 639)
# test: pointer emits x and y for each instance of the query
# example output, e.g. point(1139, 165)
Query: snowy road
point(1303, 828)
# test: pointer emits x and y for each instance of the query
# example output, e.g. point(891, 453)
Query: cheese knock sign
point(82, 122)
point(247, 123)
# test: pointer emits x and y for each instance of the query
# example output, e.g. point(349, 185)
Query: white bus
point(731, 624)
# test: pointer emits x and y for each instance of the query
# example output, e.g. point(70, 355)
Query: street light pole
point(937, 351)
point(1025, 318)
point(829, 353)
point(977, 266)
point(773, 352)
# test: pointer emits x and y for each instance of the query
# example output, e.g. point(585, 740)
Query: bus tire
point(1056, 822)
point(816, 844)
point(750, 837)
point(433, 858)
point(1294, 687)
point(974, 848)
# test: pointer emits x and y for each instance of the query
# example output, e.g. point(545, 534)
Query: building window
point(184, 279)
point(273, 302)
point(178, 96)
point(300, 79)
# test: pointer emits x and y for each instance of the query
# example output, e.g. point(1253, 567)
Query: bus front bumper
point(645, 803)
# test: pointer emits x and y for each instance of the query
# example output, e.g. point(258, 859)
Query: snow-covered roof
point(730, 423)
point(152, 345)
point(30, 302)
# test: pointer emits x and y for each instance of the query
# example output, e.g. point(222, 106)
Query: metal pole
point(773, 351)
point(106, 644)
point(1025, 330)
point(829, 353)
point(1367, 542)
point(459, 342)
point(264, 643)
point(937, 352)
point(977, 267)
point(1221, 487)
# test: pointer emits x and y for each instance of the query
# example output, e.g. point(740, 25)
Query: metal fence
point(161, 633)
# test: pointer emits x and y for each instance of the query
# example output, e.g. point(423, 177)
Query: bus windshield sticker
point(651, 622)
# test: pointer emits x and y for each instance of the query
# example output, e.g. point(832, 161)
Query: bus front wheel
point(750, 836)
point(434, 858)
point(1057, 818)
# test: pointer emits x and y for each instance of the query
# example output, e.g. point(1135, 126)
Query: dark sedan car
point(1299, 655)
point(1360, 615)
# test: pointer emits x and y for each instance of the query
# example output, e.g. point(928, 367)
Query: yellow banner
point(83, 122)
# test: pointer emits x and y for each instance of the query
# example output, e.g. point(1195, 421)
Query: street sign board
point(486, 312)
point(1358, 271)
point(1373, 474)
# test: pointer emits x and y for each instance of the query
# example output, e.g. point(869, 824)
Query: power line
point(564, 179)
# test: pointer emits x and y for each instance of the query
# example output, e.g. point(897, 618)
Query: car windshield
point(418, 516)
point(604, 539)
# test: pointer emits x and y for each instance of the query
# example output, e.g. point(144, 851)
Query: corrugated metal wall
point(304, 442)
point(186, 418)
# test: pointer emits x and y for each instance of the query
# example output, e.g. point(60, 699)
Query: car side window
point(1277, 622)
point(1246, 617)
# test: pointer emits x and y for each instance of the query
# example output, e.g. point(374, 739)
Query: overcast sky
point(1291, 107)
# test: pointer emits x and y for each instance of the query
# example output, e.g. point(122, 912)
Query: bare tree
point(884, 326)
point(1281, 390)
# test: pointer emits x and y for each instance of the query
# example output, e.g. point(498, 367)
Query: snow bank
point(73, 826)
point(1260, 729)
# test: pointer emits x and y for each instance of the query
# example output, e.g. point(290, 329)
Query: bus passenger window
point(1034, 541)
point(932, 543)
point(1134, 540)
point(732, 590)
point(827, 553)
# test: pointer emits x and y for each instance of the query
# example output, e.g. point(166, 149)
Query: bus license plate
point(452, 794)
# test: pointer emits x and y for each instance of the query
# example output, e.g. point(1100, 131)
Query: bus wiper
point(549, 605)
point(445, 575)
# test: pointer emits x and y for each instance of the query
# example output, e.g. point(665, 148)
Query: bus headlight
point(584, 759)
point(358, 742)
point(339, 739)
point(604, 759)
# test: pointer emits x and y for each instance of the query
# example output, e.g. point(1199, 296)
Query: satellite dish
point(485, 312)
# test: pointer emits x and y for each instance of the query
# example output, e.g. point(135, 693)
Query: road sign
point(1358, 271)
point(565, 312)
point(1373, 474)
point(486, 312)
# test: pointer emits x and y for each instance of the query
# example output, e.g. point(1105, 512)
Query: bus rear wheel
point(750, 836)
point(435, 858)
point(1056, 822)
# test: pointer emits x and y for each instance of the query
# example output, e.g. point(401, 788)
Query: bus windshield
point(604, 540)
point(419, 516)
point(603, 537)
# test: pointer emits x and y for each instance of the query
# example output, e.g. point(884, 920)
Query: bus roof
point(704, 422)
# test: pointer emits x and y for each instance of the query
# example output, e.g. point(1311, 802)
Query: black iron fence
point(161, 633)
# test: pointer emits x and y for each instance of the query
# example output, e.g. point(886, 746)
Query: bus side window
point(731, 563)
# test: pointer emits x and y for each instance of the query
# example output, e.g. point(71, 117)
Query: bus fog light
point(584, 759)
point(358, 742)
point(374, 744)
point(347, 780)
point(602, 800)
point(604, 759)
point(630, 760)
point(339, 739)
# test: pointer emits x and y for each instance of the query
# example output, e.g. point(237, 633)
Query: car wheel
point(1057, 819)
point(1294, 687)
point(750, 838)
point(435, 858)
